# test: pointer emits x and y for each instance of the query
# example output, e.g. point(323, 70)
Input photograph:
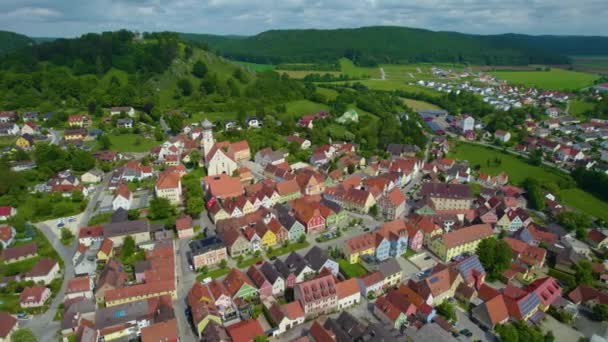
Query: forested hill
point(155, 73)
point(379, 44)
point(565, 45)
point(10, 41)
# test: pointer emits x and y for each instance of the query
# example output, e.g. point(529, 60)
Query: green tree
point(536, 199)
point(223, 264)
point(447, 310)
point(199, 69)
point(495, 256)
point(160, 208)
point(507, 333)
point(600, 312)
point(373, 210)
point(128, 248)
point(103, 142)
point(66, 236)
point(23, 335)
point(584, 273)
point(185, 86)
point(175, 123)
point(194, 206)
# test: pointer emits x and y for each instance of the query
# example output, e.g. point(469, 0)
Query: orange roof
point(245, 331)
point(287, 187)
point(139, 290)
point(123, 191)
point(396, 197)
point(184, 222)
point(372, 278)
point(320, 334)
point(293, 310)
point(106, 246)
point(361, 242)
point(239, 146)
point(347, 288)
point(235, 280)
point(6, 233)
point(497, 309)
point(79, 284)
point(160, 332)
point(224, 186)
point(467, 234)
point(168, 180)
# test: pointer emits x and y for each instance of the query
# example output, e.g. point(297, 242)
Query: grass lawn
point(284, 250)
point(213, 274)
point(100, 219)
point(518, 170)
point(558, 79)
point(585, 202)
point(419, 105)
point(578, 107)
point(10, 303)
point(408, 254)
point(351, 270)
point(304, 73)
point(329, 93)
point(212, 116)
point(131, 143)
point(255, 66)
point(7, 141)
point(349, 68)
point(298, 108)
point(248, 262)
point(389, 85)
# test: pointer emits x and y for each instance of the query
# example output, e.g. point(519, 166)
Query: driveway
point(464, 322)
point(43, 325)
point(561, 331)
point(423, 260)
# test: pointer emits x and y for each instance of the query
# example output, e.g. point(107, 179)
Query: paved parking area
point(561, 331)
point(464, 322)
point(423, 261)
point(408, 268)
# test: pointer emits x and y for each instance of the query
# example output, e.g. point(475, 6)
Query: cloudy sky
point(68, 18)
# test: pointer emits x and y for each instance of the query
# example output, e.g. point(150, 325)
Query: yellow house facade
point(200, 326)
point(23, 143)
point(269, 239)
point(459, 241)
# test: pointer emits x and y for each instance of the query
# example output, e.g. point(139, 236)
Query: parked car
point(466, 332)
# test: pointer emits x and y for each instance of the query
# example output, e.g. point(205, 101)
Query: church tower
point(207, 140)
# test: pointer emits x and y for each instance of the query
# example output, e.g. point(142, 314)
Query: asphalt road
point(43, 325)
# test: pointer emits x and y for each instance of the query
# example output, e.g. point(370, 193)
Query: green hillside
point(369, 46)
point(10, 41)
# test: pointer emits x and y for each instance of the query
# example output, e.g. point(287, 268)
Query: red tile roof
point(32, 294)
point(347, 288)
point(168, 180)
point(234, 280)
point(7, 323)
point(467, 234)
point(184, 222)
point(245, 331)
point(371, 279)
point(497, 309)
point(144, 289)
point(160, 332)
point(20, 251)
point(79, 284)
point(90, 232)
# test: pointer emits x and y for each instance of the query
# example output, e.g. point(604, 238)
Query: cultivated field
point(557, 79)
point(518, 170)
point(419, 105)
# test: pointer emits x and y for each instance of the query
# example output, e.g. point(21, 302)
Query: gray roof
point(446, 190)
point(316, 257)
point(347, 328)
point(389, 267)
point(431, 332)
point(207, 244)
point(270, 272)
point(115, 229)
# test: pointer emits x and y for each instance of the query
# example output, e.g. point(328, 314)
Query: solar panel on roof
point(529, 303)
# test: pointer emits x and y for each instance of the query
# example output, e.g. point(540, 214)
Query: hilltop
point(122, 68)
point(11, 41)
point(368, 46)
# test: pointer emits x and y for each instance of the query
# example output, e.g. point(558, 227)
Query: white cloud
point(74, 17)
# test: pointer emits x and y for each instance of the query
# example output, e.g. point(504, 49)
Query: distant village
point(339, 247)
